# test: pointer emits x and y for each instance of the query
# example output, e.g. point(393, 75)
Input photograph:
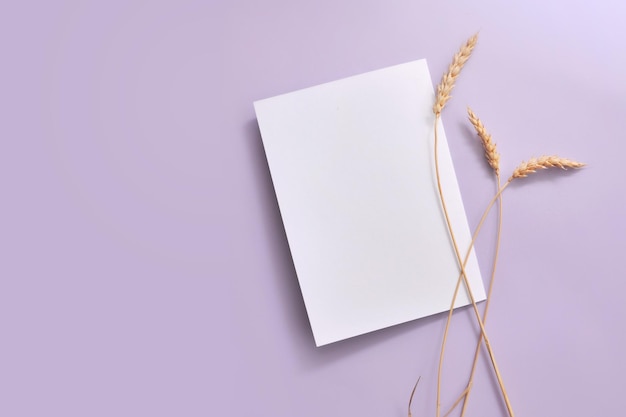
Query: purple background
point(144, 267)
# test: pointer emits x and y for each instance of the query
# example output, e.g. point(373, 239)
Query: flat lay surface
point(145, 268)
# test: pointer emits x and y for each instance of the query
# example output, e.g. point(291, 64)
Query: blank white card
point(353, 169)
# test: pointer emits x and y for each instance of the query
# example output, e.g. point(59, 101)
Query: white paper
point(352, 165)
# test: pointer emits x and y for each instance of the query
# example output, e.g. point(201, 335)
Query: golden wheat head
point(449, 78)
point(544, 162)
point(491, 153)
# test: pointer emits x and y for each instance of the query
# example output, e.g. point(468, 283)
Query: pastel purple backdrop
point(144, 266)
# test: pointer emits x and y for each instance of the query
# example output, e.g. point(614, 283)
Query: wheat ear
point(447, 81)
point(491, 153)
point(544, 162)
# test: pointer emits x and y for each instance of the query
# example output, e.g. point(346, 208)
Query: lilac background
point(144, 266)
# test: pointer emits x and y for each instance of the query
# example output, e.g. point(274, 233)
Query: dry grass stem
point(412, 394)
point(447, 81)
point(493, 157)
point(544, 162)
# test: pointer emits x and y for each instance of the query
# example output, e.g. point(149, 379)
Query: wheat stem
point(458, 284)
point(487, 303)
point(483, 334)
point(458, 400)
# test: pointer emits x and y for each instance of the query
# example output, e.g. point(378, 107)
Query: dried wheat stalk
point(493, 158)
point(522, 171)
point(443, 95)
point(447, 81)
